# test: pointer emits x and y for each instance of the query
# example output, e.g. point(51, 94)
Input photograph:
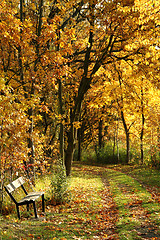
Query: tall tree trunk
point(152, 150)
point(1, 172)
point(158, 141)
point(1, 186)
point(60, 99)
point(61, 134)
point(30, 111)
point(141, 139)
point(128, 148)
point(123, 119)
point(83, 88)
point(32, 93)
point(100, 136)
point(127, 138)
point(117, 141)
point(31, 153)
point(142, 126)
point(114, 147)
point(19, 48)
point(79, 144)
point(80, 134)
point(70, 150)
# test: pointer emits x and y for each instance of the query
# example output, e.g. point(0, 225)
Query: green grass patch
point(76, 219)
point(136, 205)
point(91, 211)
point(144, 174)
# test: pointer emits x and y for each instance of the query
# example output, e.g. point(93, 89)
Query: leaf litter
point(90, 217)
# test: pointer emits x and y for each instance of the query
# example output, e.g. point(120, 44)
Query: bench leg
point(18, 211)
point(43, 207)
point(35, 211)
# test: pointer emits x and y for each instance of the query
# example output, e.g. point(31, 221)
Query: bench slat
point(31, 197)
point(15, 184)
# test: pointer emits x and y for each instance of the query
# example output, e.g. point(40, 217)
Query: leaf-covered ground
point(106, 203)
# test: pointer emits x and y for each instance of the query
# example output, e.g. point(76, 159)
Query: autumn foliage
point(77, 73)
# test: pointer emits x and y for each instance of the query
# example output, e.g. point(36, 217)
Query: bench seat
point(31, 197)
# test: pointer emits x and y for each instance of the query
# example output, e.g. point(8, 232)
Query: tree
point(105, 40)
point(63, 48)
point(23, 50)
point(13, 135)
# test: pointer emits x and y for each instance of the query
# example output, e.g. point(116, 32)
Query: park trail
point(148, 229)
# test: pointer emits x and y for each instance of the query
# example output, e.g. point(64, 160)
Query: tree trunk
point(19, 48)
point(127, 138)
point(117, 142)
point(70, 150)
point(128, 148)
point(141, 139)
point(100, 136)
point(30, 111)
point(152, 150)
point(79, 144)
point(114, 146)
point(60, 102)
point(126, 129)
point(142, 128)
point(31, 153)
point(1, 173)
point(61, 134)
point(158, 136)
point(32, 93)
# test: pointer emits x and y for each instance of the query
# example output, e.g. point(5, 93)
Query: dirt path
point(109, 215)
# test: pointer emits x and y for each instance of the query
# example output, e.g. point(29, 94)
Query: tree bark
point(31, 153)
point(30, 111)
point(1, 172)
point(141, 139)
point(70, 150)
point(126, 129)
point(127, 138)
point(114, 146)
point(117, 141)
point(32, 93)
point(158, 141)
point(83, 88)
point(61, 134)
point(100, 136)
point(79, 144)
point(142, 126)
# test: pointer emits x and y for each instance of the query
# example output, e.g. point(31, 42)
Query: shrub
point(59, 185)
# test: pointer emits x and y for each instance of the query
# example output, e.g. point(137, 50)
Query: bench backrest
point(15, 184)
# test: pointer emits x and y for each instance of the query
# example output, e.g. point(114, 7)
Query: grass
point(146, 175)
point(76, 219)
point(124, 206)
point(137, 208)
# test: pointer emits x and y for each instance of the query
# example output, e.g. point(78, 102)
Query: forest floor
point(105, 202)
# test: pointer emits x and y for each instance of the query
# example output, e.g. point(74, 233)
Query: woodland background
point(78, 80)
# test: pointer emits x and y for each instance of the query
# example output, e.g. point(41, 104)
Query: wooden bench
point(29, 197)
